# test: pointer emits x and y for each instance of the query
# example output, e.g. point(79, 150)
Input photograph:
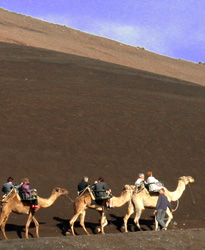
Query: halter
point(191, 194)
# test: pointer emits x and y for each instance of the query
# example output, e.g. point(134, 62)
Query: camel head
point(187, 179)
point(60, 191)
point(130, 188)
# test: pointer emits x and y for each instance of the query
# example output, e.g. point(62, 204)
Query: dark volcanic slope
point(64, 116)
point(24, 30)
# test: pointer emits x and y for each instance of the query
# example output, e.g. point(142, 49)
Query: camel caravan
point(144, 194)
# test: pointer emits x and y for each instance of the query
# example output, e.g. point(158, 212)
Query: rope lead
point(191, 194)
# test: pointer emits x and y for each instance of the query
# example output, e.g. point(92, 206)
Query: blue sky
point(175, 28)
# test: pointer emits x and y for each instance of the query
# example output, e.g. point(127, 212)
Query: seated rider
point(83, 184)
point(153, 184)
point(101, 189)
point(140, 181)
point(102, 192)
point(27, 193)
point(8, 186)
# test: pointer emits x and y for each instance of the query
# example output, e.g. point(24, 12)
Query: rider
point(140, 181)
point(153, 184)
point(101, 189)
point(27, 192)
point(102, 192)
point(8, 186)
point(83, 184)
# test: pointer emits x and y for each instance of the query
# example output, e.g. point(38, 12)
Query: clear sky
point(175, 28)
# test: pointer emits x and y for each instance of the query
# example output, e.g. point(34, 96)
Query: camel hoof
point(97, 230)
point(67, 233)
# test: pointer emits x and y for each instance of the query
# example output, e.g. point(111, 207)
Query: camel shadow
point(64, 226)
point(118, 222)
point(20, 230)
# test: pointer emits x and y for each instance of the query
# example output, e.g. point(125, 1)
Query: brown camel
point(84, 201)
point(143, 199)
point(12, 203)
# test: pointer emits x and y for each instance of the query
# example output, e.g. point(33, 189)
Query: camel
point(143, 199)
point(12, 203)
point(84, 201)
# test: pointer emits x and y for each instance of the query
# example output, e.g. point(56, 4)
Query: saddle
point(28, 195)
point(155, 187)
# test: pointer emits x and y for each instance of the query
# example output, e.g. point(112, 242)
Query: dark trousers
point(160, 217)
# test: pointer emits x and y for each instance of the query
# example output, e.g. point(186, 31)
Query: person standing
point(161, 207)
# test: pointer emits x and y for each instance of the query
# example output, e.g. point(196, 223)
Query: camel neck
point(175, 195)
point(43, 202)
point(122, 199)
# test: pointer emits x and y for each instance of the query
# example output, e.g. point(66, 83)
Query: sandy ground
point(170, 240)
point(63, 116)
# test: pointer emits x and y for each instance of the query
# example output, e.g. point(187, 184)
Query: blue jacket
point(7, 187)
point(163, 203)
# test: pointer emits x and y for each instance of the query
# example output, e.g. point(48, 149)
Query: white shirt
point(151, 179)
point(138, 182)
point(152, 183)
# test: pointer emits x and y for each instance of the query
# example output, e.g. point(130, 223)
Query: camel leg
point(170, 217)
point(30, 217)
point(137, 217)
point(3, 228)
point(130, 211)
point(156, 223)
point(82, 220)
point(72, 221)
point(37, 226)
point(103, 222)
point(3, 220)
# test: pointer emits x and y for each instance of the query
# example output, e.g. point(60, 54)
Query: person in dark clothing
point(83, 184)
point(162, 204)
point(8, 186)
point(101, 189)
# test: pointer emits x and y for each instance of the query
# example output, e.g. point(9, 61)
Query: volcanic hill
point(73, 104)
